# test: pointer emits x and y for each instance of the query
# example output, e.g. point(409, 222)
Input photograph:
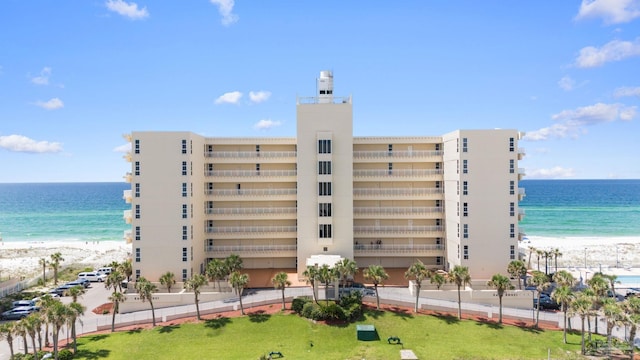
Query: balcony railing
point(252, 211)
point(361, 154)
point(128, 157)
point(250, 192)
point(249, 229)
point(397, 229)
point(247, 173)
point(128, 237)
point(422, 210)
point(127, 216)
point(250, 154)
point(398, 248)
point(396, 173)
point(127, 177)
point(396, 191)
point(250, 248)
point(127, 195)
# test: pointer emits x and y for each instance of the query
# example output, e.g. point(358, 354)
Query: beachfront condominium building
point(284, 203)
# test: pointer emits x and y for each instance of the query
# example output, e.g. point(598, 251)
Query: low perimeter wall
point(511, 298)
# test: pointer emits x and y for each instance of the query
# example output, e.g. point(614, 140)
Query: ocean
point(93, 211)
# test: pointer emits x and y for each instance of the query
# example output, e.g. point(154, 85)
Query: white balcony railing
point(396, 191)
point(396, 210)
point(250, 248)
point(396, 248)
point(361, 154)
point(127, 216)
point(127, 195)
point(128, 237)
point(250, 192)
point(250, 154)
point(397, 229)
point(241, 173)
point(249, 229)
point(128, 177)
point(251, 211)
point(396, 173)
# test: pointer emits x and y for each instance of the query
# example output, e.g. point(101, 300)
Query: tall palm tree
point(547, 254)
point(632, 310)
point(531, 251)
point(194, 284)
point(517, 270)
point(556, 255)
point(239, 281)
point(114, 280)
point(7, 331)
point(437, 278)
point(116, 298)
point(563, 295)
point(31, 325)
point(377, 275)
point(46, 302)
point(326, 275)
point(613, 280)
point(233, 263)
point(21, 330)
point(168, 279)
point(126, 268)
point(311, 275)
point(56, 259)
point(216, 270)
point(345, 268)
point(75, 292)
point(145, 289)
point(459, 275)
point(541, 282)
point(581, 306)
point(418, 272)
point(539, 253)
point(600, 287)
point(501, 283)
point(76, 310)
point(614, 315)
point(43, 262)
point(281, 281)
point(57, 316)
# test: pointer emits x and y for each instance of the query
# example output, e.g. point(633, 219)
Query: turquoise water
point(93, 211)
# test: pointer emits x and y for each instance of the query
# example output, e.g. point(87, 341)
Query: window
point(458, 187)
point(184, 254)
point(437, 184)
point(325, 231)
point(512, 230)
point(191, 253)
point(137, 232)
point(512, 252)
point(138, 255)
point(457, 166)
point(466, 252)
point(512, 166)
point(137, 168)
point(137, 191)
point(464, 145)
point(437, 166)
point(437, 203)
point(458, 251)
point(258, 169)
point(137, 211)
point(324, 167)
point(465, 209)
point(238, 188)
point(184, 211)
point(458, 208)
point(512, 187)
point(458, 147)
point(185, 232)
point(438, 260)
point(390, 149)
point(438, 222)
point(257, 150)
point(136, 146)
point(324, 209)
point(465, 167)
point(458, 234)
point(465, 231)
point(324, 146)
point(184, 168)
point(512, 144)
point(465, 188)
point(184, 146)
point(512, 209)
point(184, 189)
point(324, 189)
point(184, 275)
point(390, 168)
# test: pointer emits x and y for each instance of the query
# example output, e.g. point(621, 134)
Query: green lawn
point(430, 337)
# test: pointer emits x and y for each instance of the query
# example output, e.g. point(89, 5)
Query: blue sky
point(76, 75)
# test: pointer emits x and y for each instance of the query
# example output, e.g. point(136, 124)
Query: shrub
point(309, 309)
point(65, 354)
point(332, 311)
point(298, 303)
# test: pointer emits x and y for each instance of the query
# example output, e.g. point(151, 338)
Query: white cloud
point(259, 96)
point(229, 98)
point(566, 83)
point(52, 104)
point(611, 11)
point(19, 143)
point(572, 123)
point(266, 124)
point(43, 79)
point(225, 8)
point(627, 91)
point(555, 172)
point(126, 9)
point(123, 148)
point(614, 50)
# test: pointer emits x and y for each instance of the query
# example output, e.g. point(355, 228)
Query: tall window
point(324, 188)
point(390, 168)
point(138, 257)
point(512, 230)
point(465, 231)
point(137, 211)
point(137, 232)
point(465, 188)
point(136, 146)
point(390, 149)
point(257, 150)
point(465, 209)
point(184, 275)
point(512, 252)
point(466, 252)
point(324, 146)
point(324, 167)
point(137, 190)
point(185, 233)
point(184, 168)
point(465, 167)
point(184, 146)
point(184, 189)
point(184, 254)
point(512, 187)
point(324, 209)
point(512, 166)
point(464, 145)
point(184, 211)
point(325, 231)
point(512, 209)
point(258, 169)
point(137, 168)
point(137, 274)
point(512, 144)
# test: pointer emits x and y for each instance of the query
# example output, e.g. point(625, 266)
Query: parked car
point(23, 303)
point(80, 282)
point(19, 312)
point(546, 303)
point(92, 276)
point(62, 290)
point(105, 270)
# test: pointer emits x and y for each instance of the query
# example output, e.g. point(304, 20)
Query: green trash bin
point(366, 332)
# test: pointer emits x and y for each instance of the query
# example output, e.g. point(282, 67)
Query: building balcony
point(253, 213)
point(127, 195)
point(253, 175)
point(521, 234)
point(397, 193)
point(520, 214)
point(252, 156)
point(251, 232)
point(397, 231)
point(127, 137)
point(521, 173)
point(128, 218)
point(128, 177)
point(397, 212)
point(252, 250)
point(397, 175)
point(127, 157)
point(521, 153)
point(254, 194)
point(381, 250)
point(521, 194)
point(128, 236)
point(397, 156)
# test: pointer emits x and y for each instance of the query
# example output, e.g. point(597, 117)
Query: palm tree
point(614, 315)
point(233, 263)
point(56, 259)
point(600, 286)
point(516, 269)
point(563, 295)
point(21, 330)
point(7, 331)
point(418, 272)
point(216, 271)
point(46, 302)
point(76, 292)
point(539, 253)
point(437, 278)
point(195, 283)
point(500, 283)
point(31, 324)
point(531, 251)
point(556, 255)
point(581, 306)
point(311, 274)
point(126, 268)
point(281, 281)
point(116, 298)
point(57, 316)
point(613, 280)
point(145, 289)
point(541, 282)
point(459, 275)
point(326, 275)
point(43, 262)
point(75, 311)
point(547, 254)
point(114, 280)
point(346, 268)
point(239, 281)
point(168, 279)
point(377, 275)
point(632, 310)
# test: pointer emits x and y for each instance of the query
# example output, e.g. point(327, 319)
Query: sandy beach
point(20, 259)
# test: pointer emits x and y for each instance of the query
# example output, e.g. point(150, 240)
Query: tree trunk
point(241, 307)
point(35, 349)
point(73, 336)
point(377, 298)
point(582, 342)
point(113, 316)
point(459, 305)
point(197, 309)
point(632, 335)
point(153, 314)
point(24, 341)
point(500, 317)
point(283, 303)
point(538, 310)
point(417, 296)
point(564, 335)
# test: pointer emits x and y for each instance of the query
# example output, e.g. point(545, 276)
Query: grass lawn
point(249, 337)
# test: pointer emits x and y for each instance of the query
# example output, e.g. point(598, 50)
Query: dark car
point(62, 290)
point(81, 282)
point(19, 312)
point(546, 303)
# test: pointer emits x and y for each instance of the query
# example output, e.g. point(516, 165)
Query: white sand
point(20, 259)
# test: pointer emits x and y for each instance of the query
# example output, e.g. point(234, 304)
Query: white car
point(92, 276)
